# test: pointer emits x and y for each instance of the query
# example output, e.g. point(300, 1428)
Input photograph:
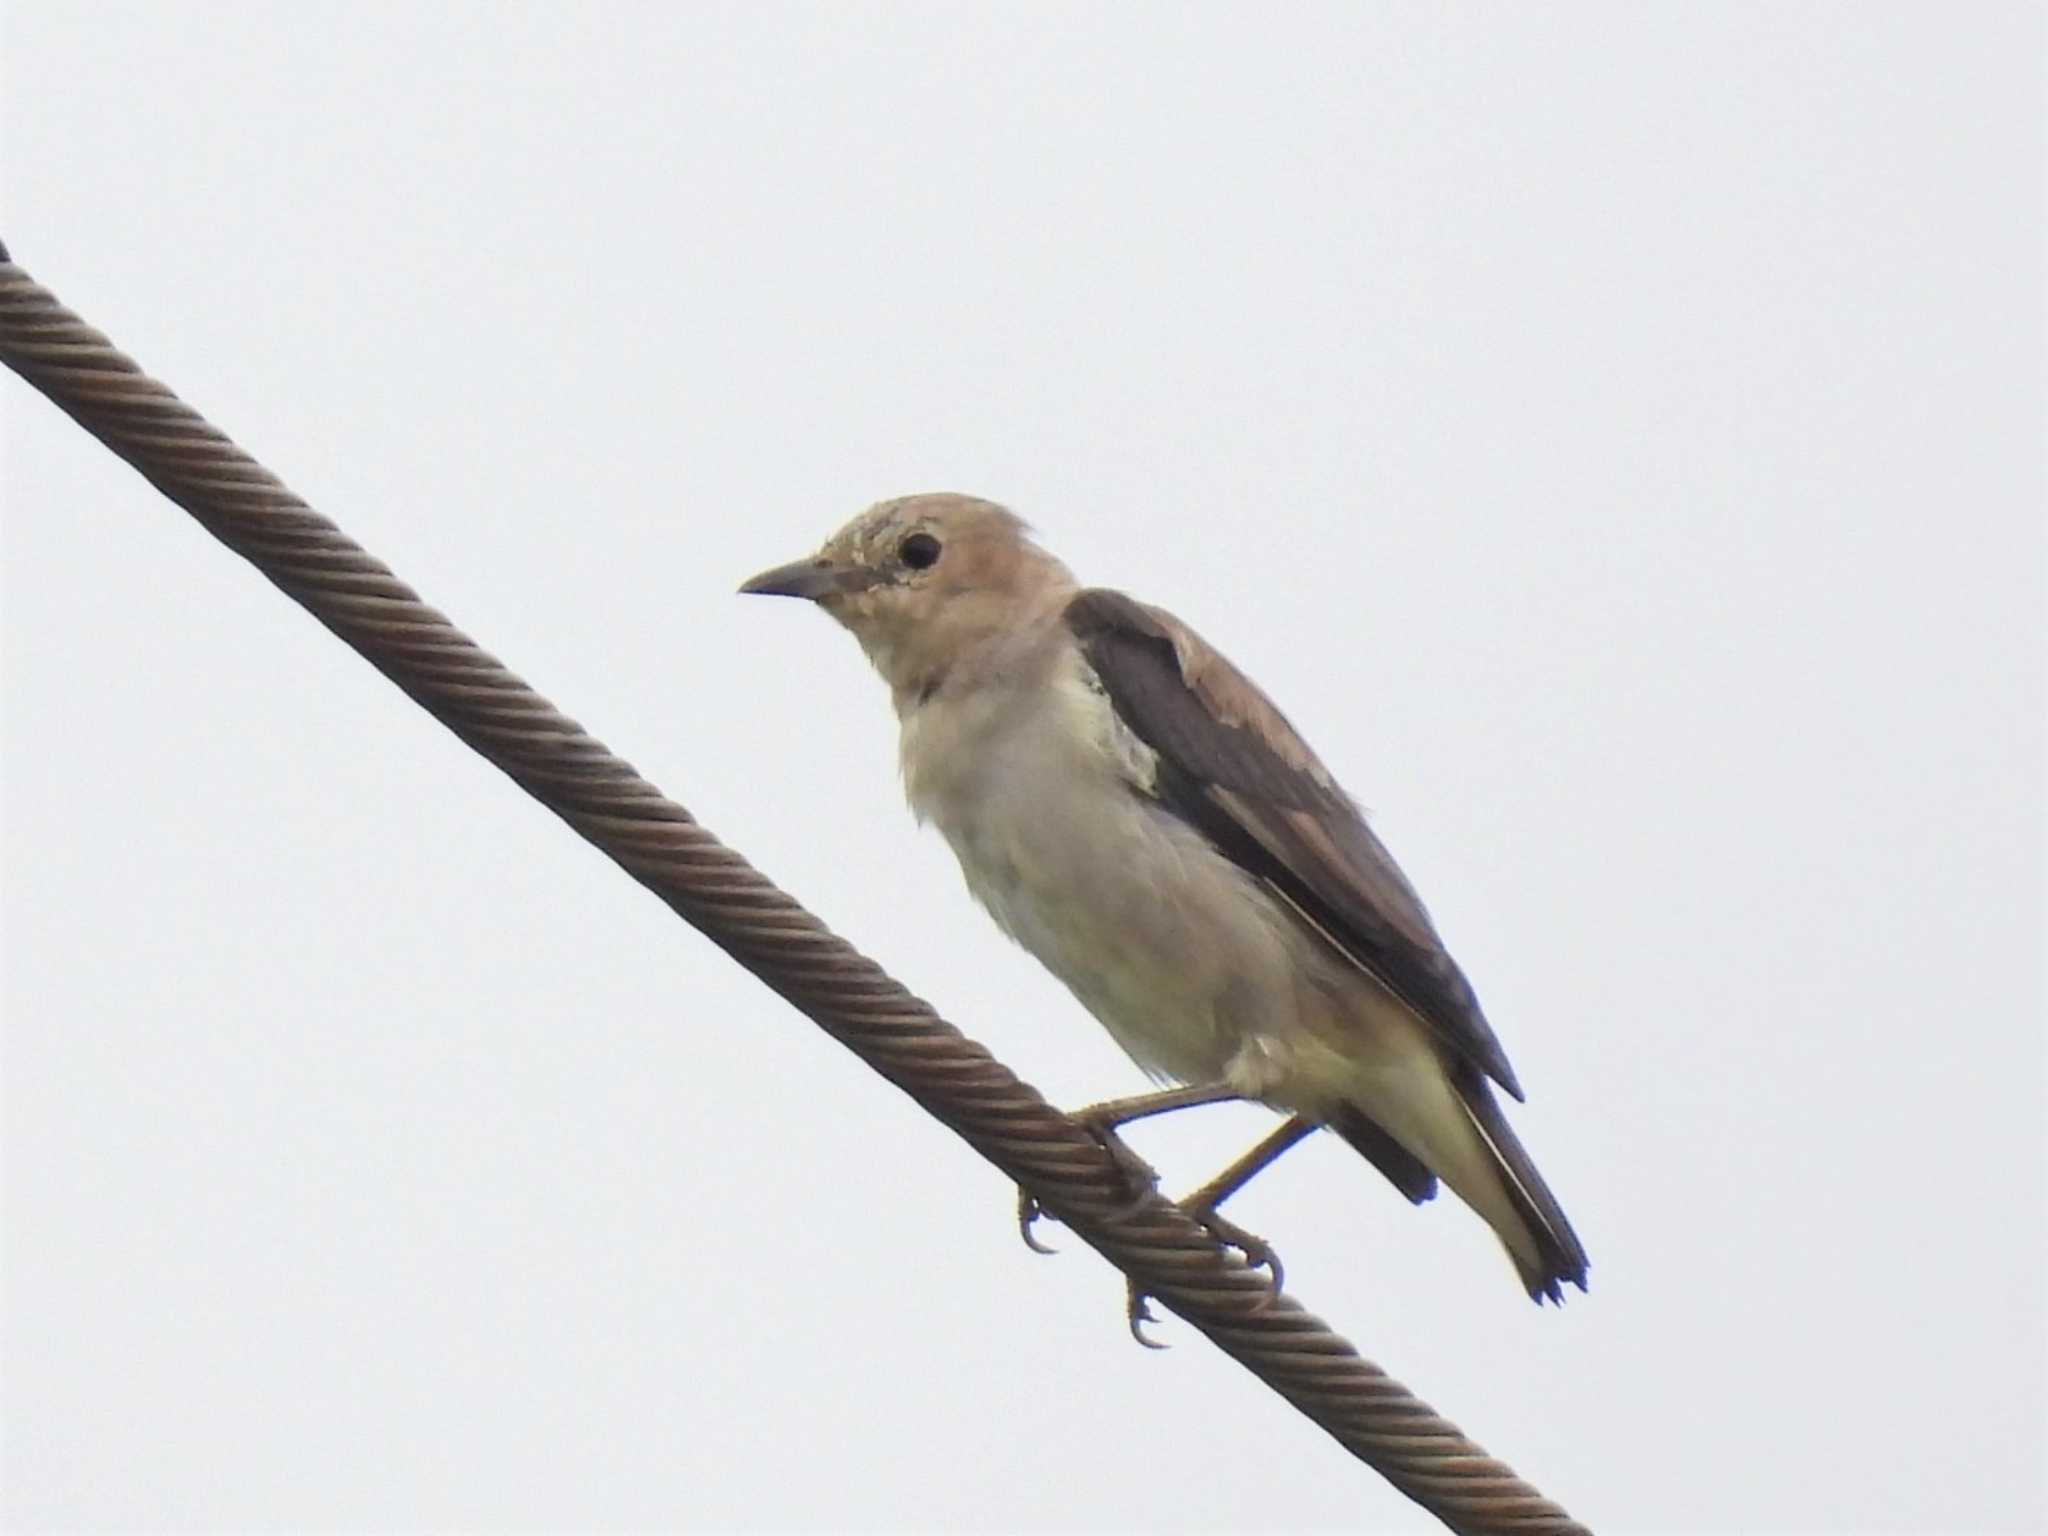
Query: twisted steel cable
point(1163, 1251)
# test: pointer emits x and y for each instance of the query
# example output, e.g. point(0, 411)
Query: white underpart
point(1190, 963)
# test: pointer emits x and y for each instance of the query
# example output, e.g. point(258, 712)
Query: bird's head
point(925, 582)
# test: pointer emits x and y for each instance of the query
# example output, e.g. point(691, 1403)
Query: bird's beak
point(813, 578)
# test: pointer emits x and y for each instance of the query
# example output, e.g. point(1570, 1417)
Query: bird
point(1139, 816)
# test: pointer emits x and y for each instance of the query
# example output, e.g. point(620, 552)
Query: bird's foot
point(1258, 1253)
point(1140, 1177)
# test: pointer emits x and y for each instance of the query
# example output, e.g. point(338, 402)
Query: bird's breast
point(1044, 798)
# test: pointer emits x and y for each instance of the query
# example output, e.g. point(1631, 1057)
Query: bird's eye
point(919, 551)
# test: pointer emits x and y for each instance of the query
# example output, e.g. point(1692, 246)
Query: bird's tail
point(1522, 1211)
point(1464, 1137)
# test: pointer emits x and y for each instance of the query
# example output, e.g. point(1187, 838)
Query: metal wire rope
point(660, 845)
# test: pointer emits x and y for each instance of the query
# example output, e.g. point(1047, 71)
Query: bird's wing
point(1231, 765)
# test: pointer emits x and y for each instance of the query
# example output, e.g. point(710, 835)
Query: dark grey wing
point(1232, 766)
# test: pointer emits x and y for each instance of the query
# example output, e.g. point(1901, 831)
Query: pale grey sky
point(1612, 432)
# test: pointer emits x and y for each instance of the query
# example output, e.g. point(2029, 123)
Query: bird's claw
point(1028, 1213)
point(1258, 1253)
point(1138, 1310)
point(1141, 1181)
point(1140, 1177)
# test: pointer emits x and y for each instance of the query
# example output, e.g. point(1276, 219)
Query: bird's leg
point(1102, 1120)
point(1202, 1203)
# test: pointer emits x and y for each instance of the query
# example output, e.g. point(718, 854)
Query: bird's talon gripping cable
point(1138, 1310)
point(1142, 1179)
point(1028, 1213)
point(1258, 1253)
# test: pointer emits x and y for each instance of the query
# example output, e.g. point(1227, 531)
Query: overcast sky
point(1614, 435)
